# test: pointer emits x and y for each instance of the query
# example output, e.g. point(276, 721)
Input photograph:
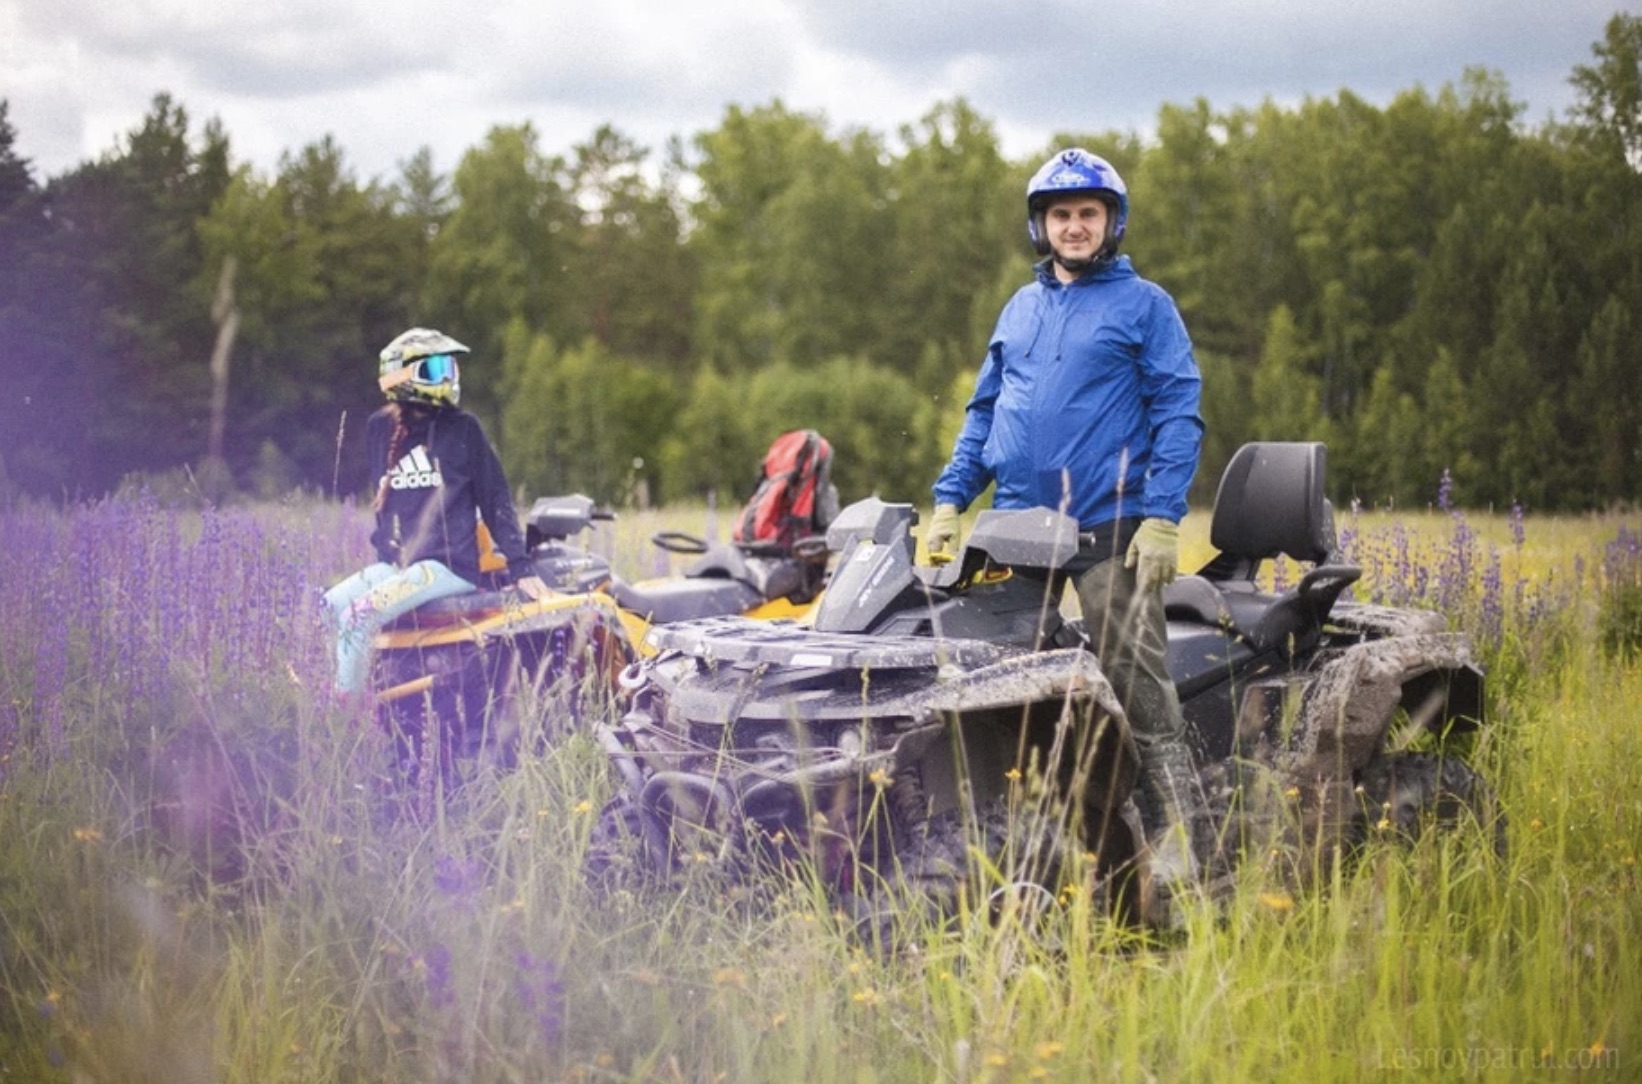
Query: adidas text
point(420, 480)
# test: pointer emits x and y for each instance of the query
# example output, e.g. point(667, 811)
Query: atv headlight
point(441, 661)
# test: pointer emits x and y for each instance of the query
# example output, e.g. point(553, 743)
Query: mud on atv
point(458, 666)
point(933, 716)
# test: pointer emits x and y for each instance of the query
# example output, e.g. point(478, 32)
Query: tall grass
point(203, 876)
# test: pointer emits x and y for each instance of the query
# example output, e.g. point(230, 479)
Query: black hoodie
point(445, 476)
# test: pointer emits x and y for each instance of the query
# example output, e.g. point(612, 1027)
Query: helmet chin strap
point(1101, 258)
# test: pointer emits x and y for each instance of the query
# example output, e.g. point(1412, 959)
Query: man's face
point(1076, 228)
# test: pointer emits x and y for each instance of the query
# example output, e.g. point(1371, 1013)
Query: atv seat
point(772, 571)
point(668, 600)
point(1270, 503)
point(455, 609)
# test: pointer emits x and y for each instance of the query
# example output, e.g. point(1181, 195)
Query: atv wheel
point(616, 852)
point(1407, 793)
point(1251, 816)
point(1022, 854)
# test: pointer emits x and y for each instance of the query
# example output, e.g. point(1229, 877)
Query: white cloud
point(79, 74)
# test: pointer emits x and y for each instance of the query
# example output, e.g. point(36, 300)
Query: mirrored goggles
point(434, 369)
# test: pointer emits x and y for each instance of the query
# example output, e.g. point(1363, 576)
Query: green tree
point(327, 271)
point(1227, 424)
point(122, 335)
point(636, 277)
point(581, 420)
point(713, 445)
point(1609, 109)
point(36, 451)
point(504, 252)
point(1606, 393)
point(422, 194)
point(1184, 212)
point(1286, 398)
point(1385, 465)
point(788, 235)
point(951, 224)
point(16, 178)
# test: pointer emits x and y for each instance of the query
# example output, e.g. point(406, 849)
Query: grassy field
point(201, 878)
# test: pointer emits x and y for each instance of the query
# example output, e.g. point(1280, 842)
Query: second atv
point(457, 667)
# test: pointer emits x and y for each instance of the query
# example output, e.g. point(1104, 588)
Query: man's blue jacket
point(1087, 400)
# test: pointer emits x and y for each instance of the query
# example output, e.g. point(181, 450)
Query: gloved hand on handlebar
point(1154, 554)
point(941, 538)
point(531, 587)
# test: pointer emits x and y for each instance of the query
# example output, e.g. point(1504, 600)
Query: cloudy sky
point(387, 79)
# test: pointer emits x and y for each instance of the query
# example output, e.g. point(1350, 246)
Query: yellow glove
point(941, 539)
point(1154, 554)
point(532, 587)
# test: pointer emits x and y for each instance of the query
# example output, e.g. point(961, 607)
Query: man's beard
point(1082, 266)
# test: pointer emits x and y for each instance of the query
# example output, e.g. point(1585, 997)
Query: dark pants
point(1130, 638)
point(1129, 635)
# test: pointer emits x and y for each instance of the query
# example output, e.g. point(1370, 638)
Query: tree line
point(1432, 285)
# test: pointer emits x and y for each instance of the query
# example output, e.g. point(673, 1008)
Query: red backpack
point(786, 505)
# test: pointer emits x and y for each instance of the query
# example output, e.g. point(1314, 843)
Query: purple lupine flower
point(1493, 603)
point(540, 992)
point(436, 975)
point(457, 876)
point(51, 685)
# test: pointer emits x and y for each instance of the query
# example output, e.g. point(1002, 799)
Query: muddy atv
point(456, 667)
point(930, 717)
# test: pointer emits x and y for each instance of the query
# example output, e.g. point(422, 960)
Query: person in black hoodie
point(437, 478)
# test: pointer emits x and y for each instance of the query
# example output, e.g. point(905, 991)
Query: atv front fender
point(1350, 706)
point(1052, 711)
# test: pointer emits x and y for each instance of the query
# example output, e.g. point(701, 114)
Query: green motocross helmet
point(420, 366)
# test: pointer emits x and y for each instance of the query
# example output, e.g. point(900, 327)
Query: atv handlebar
point(680, 542)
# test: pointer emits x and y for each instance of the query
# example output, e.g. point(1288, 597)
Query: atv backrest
point(1271, 502)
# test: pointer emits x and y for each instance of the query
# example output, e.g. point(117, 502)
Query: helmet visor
point(435, 369)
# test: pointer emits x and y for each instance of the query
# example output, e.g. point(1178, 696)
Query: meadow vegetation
point(205, 876)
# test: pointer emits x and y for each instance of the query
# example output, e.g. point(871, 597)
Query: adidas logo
point(415, 471)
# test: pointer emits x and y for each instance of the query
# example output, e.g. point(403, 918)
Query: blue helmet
point(1076, 171)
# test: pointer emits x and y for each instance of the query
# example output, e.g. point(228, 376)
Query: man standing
point(1088, 402)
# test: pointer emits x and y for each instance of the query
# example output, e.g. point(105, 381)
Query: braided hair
point(396, 446)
